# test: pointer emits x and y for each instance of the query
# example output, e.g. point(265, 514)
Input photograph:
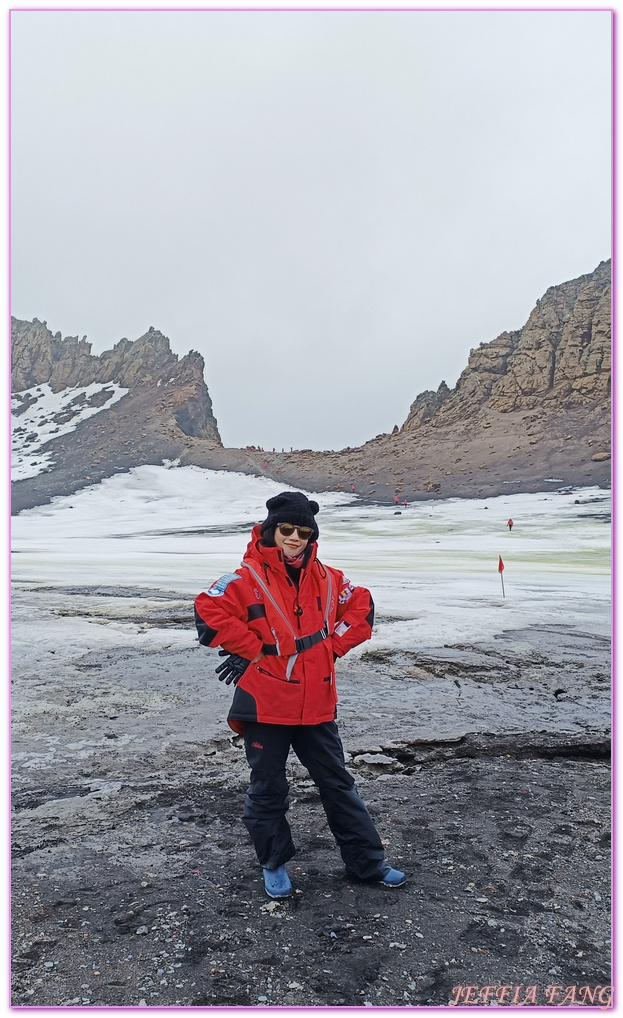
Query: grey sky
point(332, 207)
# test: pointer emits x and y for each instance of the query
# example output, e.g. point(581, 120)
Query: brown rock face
point(426, 406)
point(178, 388)
point(560, 358)
point(37, 357)
point(530, 412)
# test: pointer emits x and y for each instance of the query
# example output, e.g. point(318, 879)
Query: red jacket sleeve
point(355, 616)
point(220, 616)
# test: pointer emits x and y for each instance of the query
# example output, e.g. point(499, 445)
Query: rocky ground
point(485, 766)
point(490, 453)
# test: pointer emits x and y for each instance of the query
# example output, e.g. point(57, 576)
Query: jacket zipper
point(296, 682)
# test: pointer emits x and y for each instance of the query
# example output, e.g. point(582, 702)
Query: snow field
point(432, 568)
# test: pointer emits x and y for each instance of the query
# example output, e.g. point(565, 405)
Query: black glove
point(232, 669)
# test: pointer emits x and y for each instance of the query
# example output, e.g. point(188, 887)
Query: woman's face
point(292, 545)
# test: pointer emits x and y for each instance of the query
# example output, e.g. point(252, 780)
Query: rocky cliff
point(147, 364)
point(561, 358)
point(87, 417)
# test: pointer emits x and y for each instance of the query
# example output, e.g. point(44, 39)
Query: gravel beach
point(485, 765)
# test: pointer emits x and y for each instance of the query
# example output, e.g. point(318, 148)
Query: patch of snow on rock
point(39, 415)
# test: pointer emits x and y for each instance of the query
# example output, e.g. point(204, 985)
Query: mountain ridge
point(562, 355)
point(38, 357)
point(534, 402)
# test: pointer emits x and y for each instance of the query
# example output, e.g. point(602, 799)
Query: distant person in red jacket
point(510, 524)
point(282, 619)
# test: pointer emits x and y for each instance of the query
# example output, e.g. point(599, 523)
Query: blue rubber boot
point(277, 883)
point(393, 878)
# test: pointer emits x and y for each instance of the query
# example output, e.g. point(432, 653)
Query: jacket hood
point(273, 557)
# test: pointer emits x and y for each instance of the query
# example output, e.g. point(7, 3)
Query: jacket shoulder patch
point(219, 586)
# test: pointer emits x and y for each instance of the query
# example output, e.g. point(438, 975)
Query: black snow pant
point(319, 749)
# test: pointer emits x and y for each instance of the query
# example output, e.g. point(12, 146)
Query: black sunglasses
point(286, 529)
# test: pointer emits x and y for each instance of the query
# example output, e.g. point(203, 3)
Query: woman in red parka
point(282, 620)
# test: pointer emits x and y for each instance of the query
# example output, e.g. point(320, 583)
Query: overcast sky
point(332, 207)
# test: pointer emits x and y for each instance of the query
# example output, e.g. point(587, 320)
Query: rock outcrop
point(166, 407)
point(560, 358)
point(426, 406)
point(145, 364)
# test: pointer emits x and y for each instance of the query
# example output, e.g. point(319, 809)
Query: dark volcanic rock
point(134, 881)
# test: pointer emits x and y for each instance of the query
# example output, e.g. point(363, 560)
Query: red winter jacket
point(259, 608)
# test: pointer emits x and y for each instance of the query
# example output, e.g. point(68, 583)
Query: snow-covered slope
point(39, 415)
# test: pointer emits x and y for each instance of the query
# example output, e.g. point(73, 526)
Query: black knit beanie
point(289, 507)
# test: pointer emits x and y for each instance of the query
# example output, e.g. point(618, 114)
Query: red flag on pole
point(501, 572)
